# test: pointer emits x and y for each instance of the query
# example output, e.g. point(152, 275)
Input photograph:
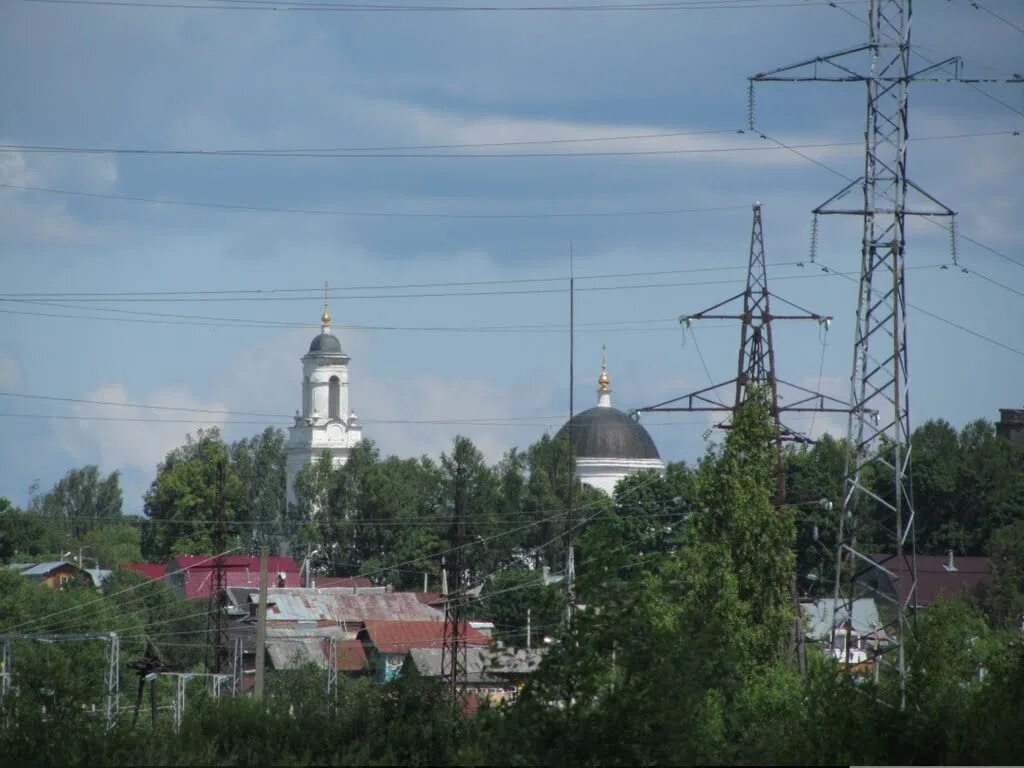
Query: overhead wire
point(304, 6)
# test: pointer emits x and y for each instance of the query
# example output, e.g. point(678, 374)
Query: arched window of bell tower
point(334, 398)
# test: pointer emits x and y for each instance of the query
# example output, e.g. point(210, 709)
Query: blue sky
point(151, 78)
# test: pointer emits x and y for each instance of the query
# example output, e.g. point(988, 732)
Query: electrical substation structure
point(879, 415)
point(111, 674)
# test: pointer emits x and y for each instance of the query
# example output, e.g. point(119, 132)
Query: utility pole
point(756, 369)
point(218, 637)
point(879, 417)
point(261, 626)
point(570, 558)
point(453, 649)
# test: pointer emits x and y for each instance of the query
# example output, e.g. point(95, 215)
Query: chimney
point(950, 565)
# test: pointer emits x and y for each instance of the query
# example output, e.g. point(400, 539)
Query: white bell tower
point(325, 423)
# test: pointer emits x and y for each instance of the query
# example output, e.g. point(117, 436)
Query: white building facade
point(325, 423)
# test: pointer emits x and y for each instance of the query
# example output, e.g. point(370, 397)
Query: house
point(331, 607)
point(54, 574)
point(301, 622)
point(194, 576)
point(861, 629)
point(494, 675)
point(293, 647)
point(388, 642)
point(949, 577)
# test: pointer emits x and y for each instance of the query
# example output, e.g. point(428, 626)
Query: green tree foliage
point(27, 536)
point(182, 501)
point(110, 545)
point(260, 464)
point(509, 595)
point(1005, 599)
point(81, 499)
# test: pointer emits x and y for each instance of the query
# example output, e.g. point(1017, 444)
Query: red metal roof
point(390, 637)
point(351, 656)
point(196, 572)
point(935, 578)
point(152, 571)
point(275, 563)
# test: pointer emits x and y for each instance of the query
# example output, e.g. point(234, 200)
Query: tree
point(1005, 599)
point(112, 544)
point(27, 535)
point(181, 502)
point(82, 499)
point(260, 463)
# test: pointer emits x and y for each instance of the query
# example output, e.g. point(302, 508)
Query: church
point(325, 422)
point(607, 444)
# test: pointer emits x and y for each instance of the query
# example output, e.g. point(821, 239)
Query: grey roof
point(326, 344)
point(291, 648)
point(482, 664)
point(39, 570)
point(608, 433)
point(344, 605)
point(818, 617)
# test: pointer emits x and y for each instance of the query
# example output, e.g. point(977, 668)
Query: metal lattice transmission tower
point(756, 370)
point(756, 365)
point(879, 420)
point(453, 648)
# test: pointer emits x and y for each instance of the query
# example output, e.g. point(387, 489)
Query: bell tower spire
point(325, 318)
point(604, 392)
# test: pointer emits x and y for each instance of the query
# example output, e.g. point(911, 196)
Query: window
point(334, 398)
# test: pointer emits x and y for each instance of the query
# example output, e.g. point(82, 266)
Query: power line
point(367, 214)
point(995, 15)
point(334, 292)
point(929, 219)
point(940, 318)
point(421, 295)
point(321, 7)
point(283, 151)
point(392, 155)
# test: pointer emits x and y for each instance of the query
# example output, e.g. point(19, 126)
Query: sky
point(449, 274)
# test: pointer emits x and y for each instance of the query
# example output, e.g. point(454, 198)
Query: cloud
point(105, 437)
point(433, 126)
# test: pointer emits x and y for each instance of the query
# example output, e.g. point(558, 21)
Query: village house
point(387, 643)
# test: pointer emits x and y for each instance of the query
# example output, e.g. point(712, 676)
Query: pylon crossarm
point(697, 395)
point(773, 75)
point(703, 314)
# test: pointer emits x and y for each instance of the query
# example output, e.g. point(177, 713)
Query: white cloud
point(425, 125)
point(105, 436)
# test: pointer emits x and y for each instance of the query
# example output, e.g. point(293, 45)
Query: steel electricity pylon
point(879, 416)
point(756, 366)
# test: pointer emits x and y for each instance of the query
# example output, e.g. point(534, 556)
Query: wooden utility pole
point(261, 625)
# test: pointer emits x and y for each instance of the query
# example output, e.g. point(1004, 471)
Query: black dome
point(608, 433)
point(326, 344)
